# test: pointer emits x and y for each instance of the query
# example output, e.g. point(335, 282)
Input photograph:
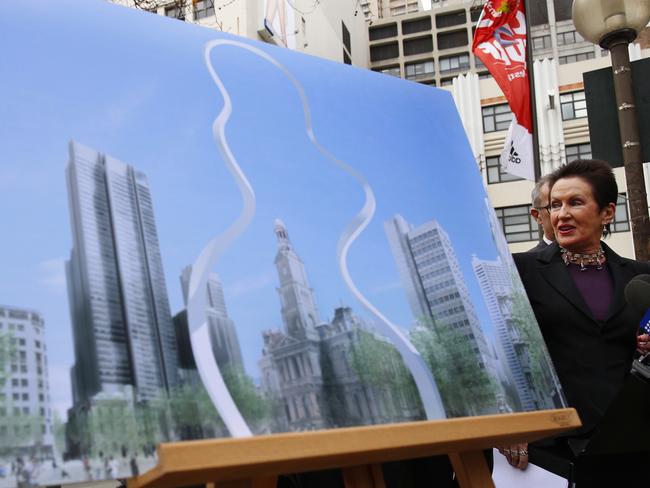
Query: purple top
point(596, 287)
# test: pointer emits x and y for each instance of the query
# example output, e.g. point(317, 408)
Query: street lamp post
point(613, 24)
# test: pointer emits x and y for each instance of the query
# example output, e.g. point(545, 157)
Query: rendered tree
point(379, 365)
point(465, 387)
point(543, 377)
point(254, 406)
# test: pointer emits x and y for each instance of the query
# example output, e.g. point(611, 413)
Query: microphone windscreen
point(637, 292)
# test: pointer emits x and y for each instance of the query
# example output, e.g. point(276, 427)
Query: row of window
point(574, 58)
point(541, 43)
point(422, 24)
point(419, 45)
point(495, 173)
point(519, 226)
point(497, 117)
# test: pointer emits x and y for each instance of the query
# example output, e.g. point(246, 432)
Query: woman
point(575, 287)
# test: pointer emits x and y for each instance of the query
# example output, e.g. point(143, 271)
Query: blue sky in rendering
point(134, 85)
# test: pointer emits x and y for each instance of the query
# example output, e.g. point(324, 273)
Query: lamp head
point(597, 20)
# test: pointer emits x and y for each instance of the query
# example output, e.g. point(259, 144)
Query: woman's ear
point(608, 213)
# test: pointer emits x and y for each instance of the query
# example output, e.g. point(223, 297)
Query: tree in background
point(253, 405)
point(466, 388)
point(380, 365)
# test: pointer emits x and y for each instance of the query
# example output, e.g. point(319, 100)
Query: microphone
point(637, 295)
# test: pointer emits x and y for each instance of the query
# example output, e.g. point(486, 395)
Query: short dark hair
point(597, 173)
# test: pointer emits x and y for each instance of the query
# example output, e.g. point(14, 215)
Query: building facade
point(123, 334)
point(308, 368)
point(25, 415)
point(434, 48)
point(434, 283)
point(223, 334)
point(333, 30)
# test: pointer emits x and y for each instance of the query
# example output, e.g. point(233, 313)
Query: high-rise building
point(223, 335)
point(499, 287)
point(122, 327)
point(434, 283)
point(496, 287)
point(25, 413)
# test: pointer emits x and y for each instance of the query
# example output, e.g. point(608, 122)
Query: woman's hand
point(517, 455)
point(643, 343)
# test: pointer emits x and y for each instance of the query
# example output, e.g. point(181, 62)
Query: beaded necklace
point(596, 259)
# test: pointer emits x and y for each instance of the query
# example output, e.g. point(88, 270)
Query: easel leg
point(369, 476)
point(266, 482)
point(471, 469)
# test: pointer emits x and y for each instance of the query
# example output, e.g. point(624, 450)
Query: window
point(382, 32)
point(562, 9)
point(452, 18)
point(390, 70)
point(203, 9)
point(478, 63)
point(538, 14)
point(454, 63)
point(571, 37)
point(621, 222)
point(574, 58)
point(416, 71)
point(385, 51)
point(416, 25)
point(496, 117)
point(577, 151)
point(347, 45)
point(446, 81)
point(517, 223)
point(495, 173)
point(541, 42)
point(418, 46)
point(573, 105)
point(175, 12)
point(475, 13)
point(447, 40)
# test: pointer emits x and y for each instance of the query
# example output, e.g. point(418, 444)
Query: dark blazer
point(591, 357)
point(540, 245)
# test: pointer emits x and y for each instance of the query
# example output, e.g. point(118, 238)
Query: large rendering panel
point(208, 236)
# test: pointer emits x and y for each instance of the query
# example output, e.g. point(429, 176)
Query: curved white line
point(206, 363)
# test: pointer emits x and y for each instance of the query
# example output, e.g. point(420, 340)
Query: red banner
point(500, 43)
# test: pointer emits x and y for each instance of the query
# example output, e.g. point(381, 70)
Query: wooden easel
point(256, 462)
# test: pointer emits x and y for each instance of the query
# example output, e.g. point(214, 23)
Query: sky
point(134, 86)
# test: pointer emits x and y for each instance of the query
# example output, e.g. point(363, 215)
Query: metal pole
point(531, 82)
point(617, 43)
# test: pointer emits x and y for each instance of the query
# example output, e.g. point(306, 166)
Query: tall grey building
point(122, 326)
point(496, 287)
point(223, 335)
point(25, 413)
point(434, 283)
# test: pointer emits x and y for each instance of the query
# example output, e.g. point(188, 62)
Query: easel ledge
point(256, 461)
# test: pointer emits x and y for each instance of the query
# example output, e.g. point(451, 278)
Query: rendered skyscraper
point(123, 332)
